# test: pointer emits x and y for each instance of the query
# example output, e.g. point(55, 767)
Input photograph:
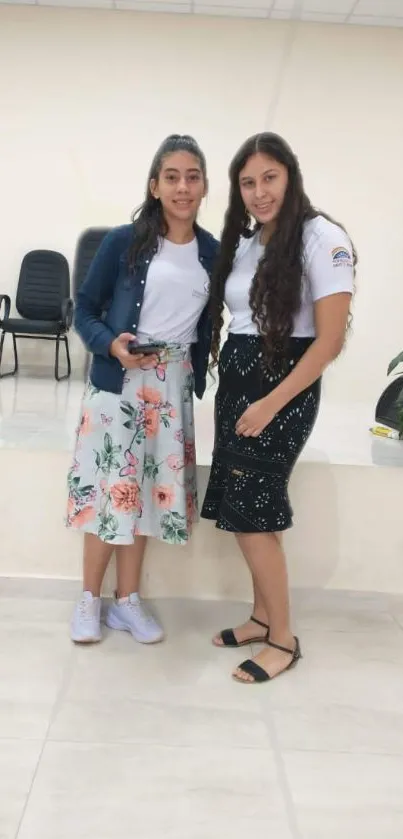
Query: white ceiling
point(359, 12)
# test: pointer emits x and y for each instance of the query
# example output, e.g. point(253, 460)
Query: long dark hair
point(275, 294)
point(148, 220)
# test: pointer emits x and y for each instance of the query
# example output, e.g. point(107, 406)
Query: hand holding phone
point(119, 349)
point(145, 349)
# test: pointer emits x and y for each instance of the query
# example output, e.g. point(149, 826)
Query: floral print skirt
point(134, 467)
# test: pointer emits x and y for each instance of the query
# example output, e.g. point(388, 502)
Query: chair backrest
point(86, 249)
point(43, 284)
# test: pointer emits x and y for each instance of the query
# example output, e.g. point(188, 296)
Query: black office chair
point(86, 249)
point(43, 303)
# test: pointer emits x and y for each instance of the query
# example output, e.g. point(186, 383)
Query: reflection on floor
point(123, 740)
point(38, 413)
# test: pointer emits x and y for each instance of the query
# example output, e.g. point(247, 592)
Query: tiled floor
point(126, 741)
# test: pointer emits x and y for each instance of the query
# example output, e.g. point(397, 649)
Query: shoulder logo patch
point(341, 256)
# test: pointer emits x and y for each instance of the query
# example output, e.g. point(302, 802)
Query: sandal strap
point(259, 623)
point(252, 669)
point(296, 652)
point(228, 638)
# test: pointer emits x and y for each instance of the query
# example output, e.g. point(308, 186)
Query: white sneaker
point(130, 614)
point(86, 620)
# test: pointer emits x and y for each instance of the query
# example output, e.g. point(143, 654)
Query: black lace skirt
point(248, 486)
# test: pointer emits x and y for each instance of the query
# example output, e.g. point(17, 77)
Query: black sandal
point(228, 637)
point(259, 674)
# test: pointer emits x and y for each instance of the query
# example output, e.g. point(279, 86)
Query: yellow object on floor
point(384, 431)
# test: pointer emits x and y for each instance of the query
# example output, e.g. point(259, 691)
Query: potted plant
point(396, 362)
point(389, 409)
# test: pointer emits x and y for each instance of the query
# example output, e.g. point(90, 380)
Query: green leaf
point(110, 521)
point(87, 489)
point(97, 459)
point(150, 467)
point(108, 442)
point(128, 409)
point(395, 362)
point(106, 534)
point(175, 537)
point(174, 528)
point(130, 424)
point(177, 519)
point(108, 464)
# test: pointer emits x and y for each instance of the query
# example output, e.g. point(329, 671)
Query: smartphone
point(145, 349)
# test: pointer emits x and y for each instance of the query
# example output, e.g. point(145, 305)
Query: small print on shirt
point(202, 294)
point(341, 257)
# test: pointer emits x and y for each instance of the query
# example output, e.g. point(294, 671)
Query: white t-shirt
point(328, 269)
point(176, 292)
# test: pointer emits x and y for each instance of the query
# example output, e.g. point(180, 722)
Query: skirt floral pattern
point(134, 466)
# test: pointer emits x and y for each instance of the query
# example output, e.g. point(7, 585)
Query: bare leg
point(249, 629)
point(259, 610)
point(96, 559)
point(129, 561)
point(129, 613)
point(266, 560)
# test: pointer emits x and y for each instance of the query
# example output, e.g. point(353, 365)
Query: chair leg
point(68, 356)
point(12, 372)
point(65, 340)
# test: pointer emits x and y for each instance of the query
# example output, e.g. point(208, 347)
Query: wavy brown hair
point(275, 294)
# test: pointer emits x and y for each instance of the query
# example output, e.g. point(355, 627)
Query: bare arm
point(331, 316)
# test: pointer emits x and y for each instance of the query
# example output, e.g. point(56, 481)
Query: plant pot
point(390, 405)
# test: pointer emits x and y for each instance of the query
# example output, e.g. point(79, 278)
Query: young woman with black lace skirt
point(286, 273)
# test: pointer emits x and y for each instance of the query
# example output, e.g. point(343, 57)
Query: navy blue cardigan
point(109, 303)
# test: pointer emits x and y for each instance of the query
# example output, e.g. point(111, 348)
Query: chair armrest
point(4, 298)
point(67, 312)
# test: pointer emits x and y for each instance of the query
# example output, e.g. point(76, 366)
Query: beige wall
point(86, 96)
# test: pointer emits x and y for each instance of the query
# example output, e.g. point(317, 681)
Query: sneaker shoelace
point(87, 609)
point(140, 612)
